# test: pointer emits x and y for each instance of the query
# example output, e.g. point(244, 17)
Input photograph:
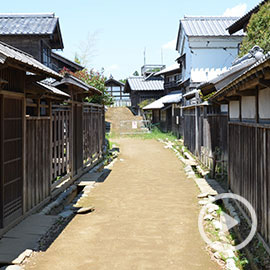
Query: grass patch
point(155, 133)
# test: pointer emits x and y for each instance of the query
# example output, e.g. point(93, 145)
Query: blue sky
point(117, 31)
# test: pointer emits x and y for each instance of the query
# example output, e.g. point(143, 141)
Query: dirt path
point(145, 218)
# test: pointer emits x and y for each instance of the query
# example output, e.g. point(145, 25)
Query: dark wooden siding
point(38, 161)
point(11, 166)
point(249, 173)
point(189, 129)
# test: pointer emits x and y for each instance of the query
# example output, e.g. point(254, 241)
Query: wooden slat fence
point(38, 161)
point(189, 130)
point(93, 132)
point(249, 172)
point(61, 141)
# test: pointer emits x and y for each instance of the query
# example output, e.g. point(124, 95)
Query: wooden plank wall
point(249, 173)
point(189, 129)
point(213, 136)
point(38, 161)
point(93, 132)
point(61, 141)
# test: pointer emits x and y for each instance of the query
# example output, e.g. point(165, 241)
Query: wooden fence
point(60, 147)
point(249, 172)
point(37, 184)
point(190, 129)
point(205, 135)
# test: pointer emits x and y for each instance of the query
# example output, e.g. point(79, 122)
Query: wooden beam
point(264, 83)
point(251, 92)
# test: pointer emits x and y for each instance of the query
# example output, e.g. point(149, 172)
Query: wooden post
point(51, 144)
point(25, 194)
point(1, 159)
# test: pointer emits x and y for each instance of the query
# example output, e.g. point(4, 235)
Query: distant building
point(116, 90)
point(206, 48)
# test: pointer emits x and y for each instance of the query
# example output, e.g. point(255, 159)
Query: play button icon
point(225, 222)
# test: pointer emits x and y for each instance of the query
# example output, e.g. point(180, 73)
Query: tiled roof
point(69, 79)
point(53, 89)
point(173, 97)
point(31, 64)
point(139, 83)
point(27, 24)
point(171, 68)
point(208, 26)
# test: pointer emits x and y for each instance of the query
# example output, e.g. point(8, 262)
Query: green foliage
point(136, 73)
point(258, 31)
point(95, 79)
point(146, 102)
point(123, 81)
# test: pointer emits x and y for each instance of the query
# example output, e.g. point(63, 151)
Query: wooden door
point(11, 159)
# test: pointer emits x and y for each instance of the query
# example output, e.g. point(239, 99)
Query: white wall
point(264, 103)
point(234, 109)
point(248, 107)
point(207, 56)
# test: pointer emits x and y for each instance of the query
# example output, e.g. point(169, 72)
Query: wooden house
point(36, 34)
point(206, 50)
point(116, 90)
point(142, 88)
point(163, 110)
point(42, 129)
point(211, 121)
point(248, 98)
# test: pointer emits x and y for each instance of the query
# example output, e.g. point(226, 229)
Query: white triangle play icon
point(227, 222)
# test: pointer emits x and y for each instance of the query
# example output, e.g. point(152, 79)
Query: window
point(163, 116)
point(46, 55)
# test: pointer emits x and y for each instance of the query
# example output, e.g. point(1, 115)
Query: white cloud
point(170, 45)
point(237, 11)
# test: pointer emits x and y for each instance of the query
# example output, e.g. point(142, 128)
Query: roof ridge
point(211, 17)
point(22, 15)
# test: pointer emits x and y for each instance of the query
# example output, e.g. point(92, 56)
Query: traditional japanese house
point(36, 34)
point(248, 97)
point(116, 90)
point(163, 111)
point(206, 50)
point(45, 133)
point(212, 120)
point(19, 133)
point(142, 88)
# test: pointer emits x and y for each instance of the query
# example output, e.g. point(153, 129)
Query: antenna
point(161, 56)
point(144, 55)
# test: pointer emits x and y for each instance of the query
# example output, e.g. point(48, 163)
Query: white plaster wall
point(234, 109)
point(207, 57)
point(248, 107)
point(264, 103)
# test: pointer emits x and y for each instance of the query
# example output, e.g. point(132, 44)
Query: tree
point(123, 81)
point(136, 73)
point(258, 31)
point(95, 79)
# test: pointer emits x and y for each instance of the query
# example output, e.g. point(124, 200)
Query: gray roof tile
point(27, 24)
point(208, 26)
point(139, 83)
